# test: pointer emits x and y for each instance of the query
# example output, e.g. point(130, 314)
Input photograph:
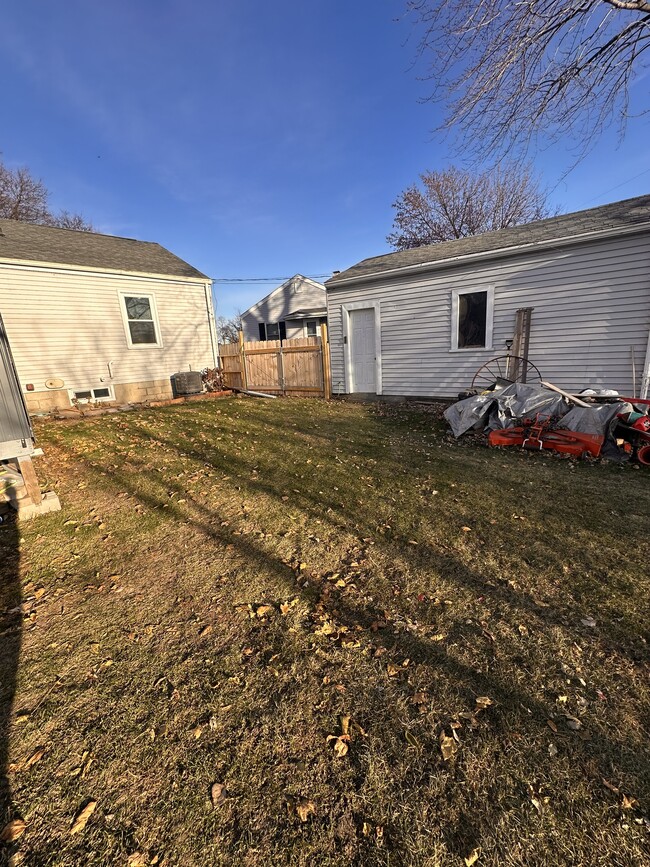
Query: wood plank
point(30, 478)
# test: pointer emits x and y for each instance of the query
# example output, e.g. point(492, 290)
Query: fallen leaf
point(551, 725)
point(628, 803)
point(588, 621)
point(205, 630)
point(12, 831)
point(263, 610)
point(482, 703)
point(472, 858)
point(448, 746)
point(217, 794)
point(392, 670)
point(82, 817)
point(552, 750)
point(466, 529)
point(610, 786)
point(285, 607)
point(345, 725)
point(340, 748)
point(35, 757)
point(304, 809)
point(137, 859)
point(573, 722)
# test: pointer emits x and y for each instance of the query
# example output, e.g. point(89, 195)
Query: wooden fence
point(298, 367)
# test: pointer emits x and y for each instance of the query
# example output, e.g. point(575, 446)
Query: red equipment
point(542, 434)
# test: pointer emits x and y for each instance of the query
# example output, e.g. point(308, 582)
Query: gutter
point(497, 253)
point(62, 268)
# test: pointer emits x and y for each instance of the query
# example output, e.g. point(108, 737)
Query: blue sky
point(253, 139)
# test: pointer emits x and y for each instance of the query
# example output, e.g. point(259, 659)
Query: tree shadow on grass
point(516, 707)
point(10, 641)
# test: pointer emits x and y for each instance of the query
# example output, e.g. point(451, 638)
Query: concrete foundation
point(26, 510)
point(53, 400)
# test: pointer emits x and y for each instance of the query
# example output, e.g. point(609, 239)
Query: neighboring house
point(420, 322)
point(295, 309)
point(93, 317)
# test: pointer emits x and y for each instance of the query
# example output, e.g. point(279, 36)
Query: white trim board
point(345, 317)
point(489, 318)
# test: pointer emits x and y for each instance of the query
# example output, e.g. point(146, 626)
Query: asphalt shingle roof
point(32, 243)
point(618, 215)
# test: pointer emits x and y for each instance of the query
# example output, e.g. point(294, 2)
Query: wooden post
point(28, 473)
point(521, 343)
point(327, 373)
point(281, 371)
point(242, 355)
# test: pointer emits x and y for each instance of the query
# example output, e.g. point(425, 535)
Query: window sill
point(144, 346)
point(473, 349)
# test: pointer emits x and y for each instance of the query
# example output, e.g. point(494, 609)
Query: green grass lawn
point(382, 646)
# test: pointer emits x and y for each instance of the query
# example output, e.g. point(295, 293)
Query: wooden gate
point(296, 367)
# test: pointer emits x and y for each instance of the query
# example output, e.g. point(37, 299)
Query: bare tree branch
point(25, 198)
point(510, 71)
point(455, 203)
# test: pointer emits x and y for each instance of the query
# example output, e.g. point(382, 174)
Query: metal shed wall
point(15, 429)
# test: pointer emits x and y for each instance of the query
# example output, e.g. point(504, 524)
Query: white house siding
point(278, 306)
point(68, 325)
point(591, 306)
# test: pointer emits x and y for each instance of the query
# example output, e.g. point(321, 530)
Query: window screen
point(472, 319)
point(312, 327)
point(139, 314)
point(272, 331)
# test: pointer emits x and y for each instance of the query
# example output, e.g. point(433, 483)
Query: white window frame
point(123, 295)
point(345, 323)
point(489, 319)
point(93, 399)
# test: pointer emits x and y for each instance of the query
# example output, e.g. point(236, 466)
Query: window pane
point(272, 331)
point(101, 392)
point(142, 332)
point(83, 395)
point(312, 328)
point(472, 319)
point(138, 308)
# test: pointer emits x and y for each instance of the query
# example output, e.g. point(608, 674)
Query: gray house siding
point(296, 295)
point(591, 308)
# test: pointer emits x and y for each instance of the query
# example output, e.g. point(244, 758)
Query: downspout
point(211, 323)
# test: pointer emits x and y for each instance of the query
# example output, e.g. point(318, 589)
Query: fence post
point(281, 371)
point(242, 355)
point(327, 373)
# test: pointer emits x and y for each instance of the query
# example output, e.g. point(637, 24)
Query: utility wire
point(266, 279)
point(617, 187)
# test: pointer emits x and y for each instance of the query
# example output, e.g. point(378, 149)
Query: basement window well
point(91, 395)
point(472, 319)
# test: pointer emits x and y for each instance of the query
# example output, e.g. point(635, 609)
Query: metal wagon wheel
point(512, 368)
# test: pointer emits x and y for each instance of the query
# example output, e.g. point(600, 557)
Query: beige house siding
point(67, 324)
point(298, 293)
point(591, 310)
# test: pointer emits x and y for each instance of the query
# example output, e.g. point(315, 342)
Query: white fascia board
point(498, 253)
point(31, 265)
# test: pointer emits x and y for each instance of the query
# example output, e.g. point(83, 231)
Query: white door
point(362, 350)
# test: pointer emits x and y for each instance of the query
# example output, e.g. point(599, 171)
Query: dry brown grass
point(226, 583)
